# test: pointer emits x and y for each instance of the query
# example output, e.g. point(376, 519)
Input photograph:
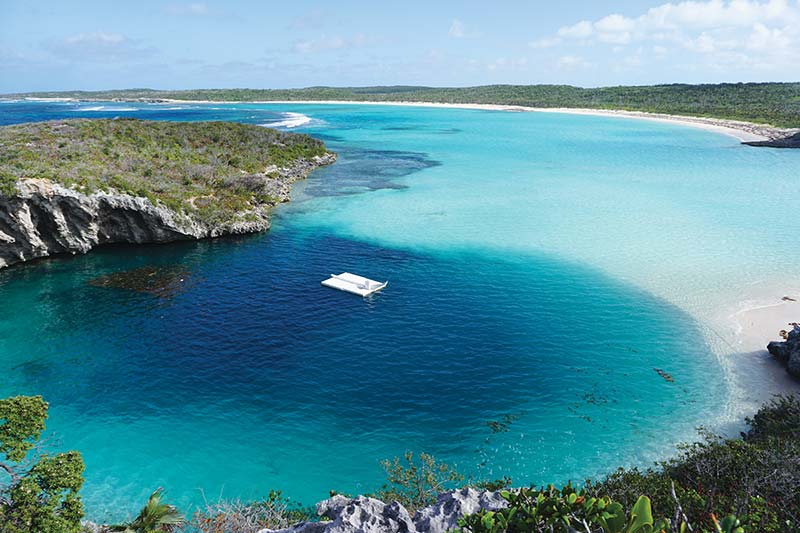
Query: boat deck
point(354, 284)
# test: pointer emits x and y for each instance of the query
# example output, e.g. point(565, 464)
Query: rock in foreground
point(368, 515)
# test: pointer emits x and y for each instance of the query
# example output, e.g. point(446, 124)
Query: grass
point(213, 171)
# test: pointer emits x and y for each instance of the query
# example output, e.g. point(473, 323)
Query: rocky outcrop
point(368, 515)
point(788, 352)
point(444, 515)
point(792, 141)
point(44, 218)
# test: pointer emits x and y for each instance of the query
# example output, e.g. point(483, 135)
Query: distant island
point(67, 186)
point(777, 104)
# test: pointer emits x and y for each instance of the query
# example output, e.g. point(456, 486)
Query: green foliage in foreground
point(41, 493)
point(154, 517)
point(563, 510)
point(416, 483)
point(770, 103)
point(569, 510)
point(755, 477)
point(201, 168)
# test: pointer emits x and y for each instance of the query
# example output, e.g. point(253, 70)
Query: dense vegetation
point(210, 169)
point(770, 103)
point(744, 485)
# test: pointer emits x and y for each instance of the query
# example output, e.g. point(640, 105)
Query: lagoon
point(542, 268)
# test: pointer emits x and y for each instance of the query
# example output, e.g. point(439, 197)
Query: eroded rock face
point(44, 218)
point(368, 515)
point(788, 352)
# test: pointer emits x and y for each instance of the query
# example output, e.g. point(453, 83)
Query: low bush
point(233, 516)
point(170, 163)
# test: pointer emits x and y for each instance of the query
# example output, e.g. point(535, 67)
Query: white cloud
point(672, 20)
point(722, 31)
point(456, 29)
point(614, 23)
point(98, 46)
point(546, 42)
point(766, 39)
point(581, 30)
point(195, 8)
point(660, 51)
point(97, 37)
point(326, 44)
point(509, 64)
point(571, 62)
point(459, 30)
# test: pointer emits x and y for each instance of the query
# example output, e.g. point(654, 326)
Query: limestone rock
point(368, 515)
point(356, 515)
point(443, 516)
point(45, 218)
point(788, 352)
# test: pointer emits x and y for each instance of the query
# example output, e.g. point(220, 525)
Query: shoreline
point(765, 320)
point(741, 130)
point(756, 376)
point(754, 323)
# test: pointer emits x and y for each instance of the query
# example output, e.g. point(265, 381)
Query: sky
point(164, 44)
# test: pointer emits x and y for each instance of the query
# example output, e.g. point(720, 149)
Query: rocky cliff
point(44, 218)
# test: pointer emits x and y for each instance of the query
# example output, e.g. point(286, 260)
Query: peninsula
point(67, 186)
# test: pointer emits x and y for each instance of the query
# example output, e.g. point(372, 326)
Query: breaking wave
point(104, 108)
point(289, 120)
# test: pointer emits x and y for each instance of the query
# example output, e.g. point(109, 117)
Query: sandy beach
point(741, 130)
point(744, 131)
point(760, 323)
point(756, 376)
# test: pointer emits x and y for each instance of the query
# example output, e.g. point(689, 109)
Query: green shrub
point(756, 477)
point(780, 418)
point(416, 482)
point(563, 510)
point(42, 497)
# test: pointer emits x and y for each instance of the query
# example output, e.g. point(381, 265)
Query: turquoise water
point(541, 267)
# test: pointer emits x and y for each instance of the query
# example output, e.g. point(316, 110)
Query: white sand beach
point(762, 322)
point(744, 131)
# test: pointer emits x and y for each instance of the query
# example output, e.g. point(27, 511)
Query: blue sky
point(64, 44)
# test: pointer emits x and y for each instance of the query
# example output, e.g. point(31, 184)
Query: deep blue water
point(251, 376)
